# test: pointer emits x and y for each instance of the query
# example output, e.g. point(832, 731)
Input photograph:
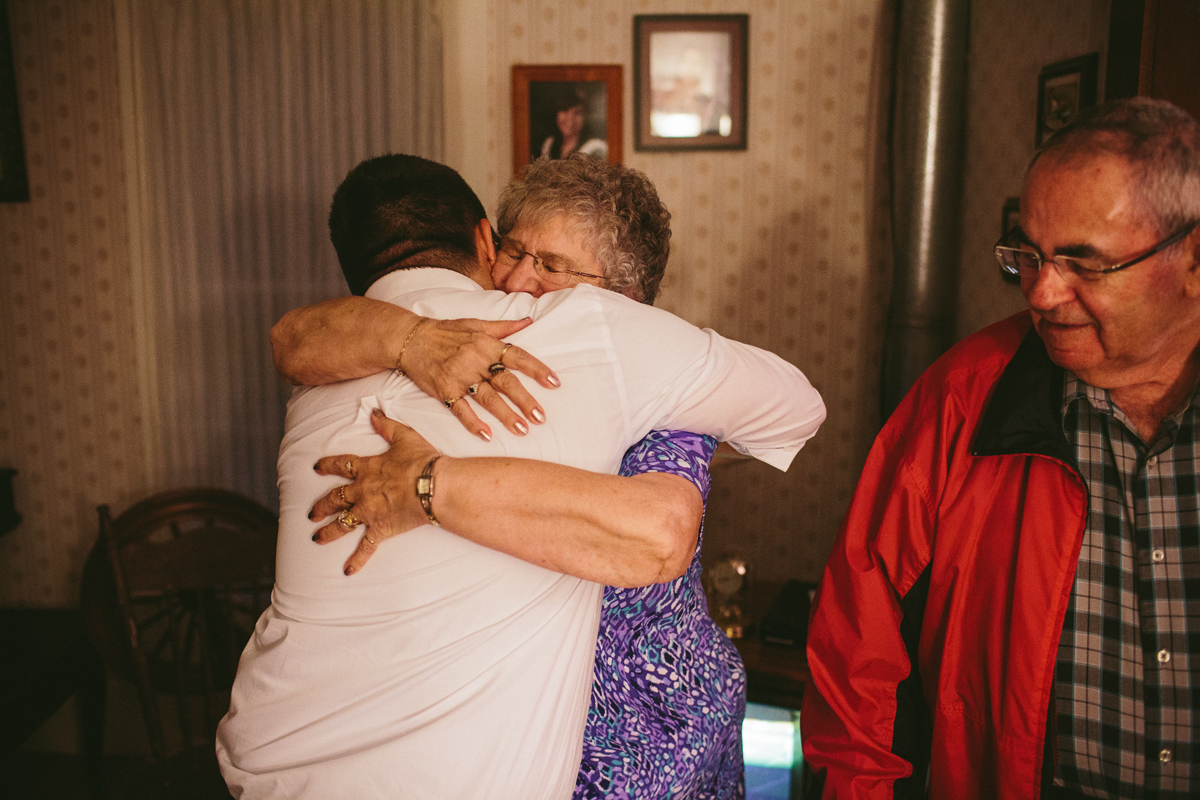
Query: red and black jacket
point(934, 633)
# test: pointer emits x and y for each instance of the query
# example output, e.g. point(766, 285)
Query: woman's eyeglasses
point(512, 253)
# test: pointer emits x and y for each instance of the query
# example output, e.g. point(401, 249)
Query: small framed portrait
point(1064, 89)
point(689, 81)
point(1010, 214)
point(1010, 217)
point(560, 110)
point(14, 181)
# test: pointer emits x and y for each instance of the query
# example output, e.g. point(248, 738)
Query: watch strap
point(425, 490)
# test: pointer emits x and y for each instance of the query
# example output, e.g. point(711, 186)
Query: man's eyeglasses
point(1022, 261)
point(509, 250)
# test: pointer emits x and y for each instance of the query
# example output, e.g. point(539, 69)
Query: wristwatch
point(425, 490)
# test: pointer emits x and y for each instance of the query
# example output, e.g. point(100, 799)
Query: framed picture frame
point(1010, 217)
point(690, 81)
point(14, 180)
point(1064, 89)
point(561, 109)
point(1010, 214)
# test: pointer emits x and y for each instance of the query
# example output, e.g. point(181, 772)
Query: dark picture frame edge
point(1010, 217)
point(1081, 72)
point(738, 26)
point(1010, 214)
point(612, 75)
point(14, 179)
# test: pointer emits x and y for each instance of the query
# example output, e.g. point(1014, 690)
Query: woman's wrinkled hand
point(382, 493)
point(353, 337)
point(455, 360)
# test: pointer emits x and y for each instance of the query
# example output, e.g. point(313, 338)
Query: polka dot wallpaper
point(778, 245)
point(68, 391)
point(1002, 103)
point(783, 245)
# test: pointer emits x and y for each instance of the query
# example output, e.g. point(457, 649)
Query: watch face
point(728, 576)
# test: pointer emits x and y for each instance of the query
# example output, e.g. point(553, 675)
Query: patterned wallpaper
point(68, 390)
point(778, 246)
point(1002, 86)
point(783, 245)
point(786, 245)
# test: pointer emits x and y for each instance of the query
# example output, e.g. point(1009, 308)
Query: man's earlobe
point(485, 242)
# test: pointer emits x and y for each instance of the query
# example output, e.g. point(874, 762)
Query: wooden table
point(775, 674)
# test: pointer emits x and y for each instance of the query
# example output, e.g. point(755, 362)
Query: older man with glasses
point(1012, 607)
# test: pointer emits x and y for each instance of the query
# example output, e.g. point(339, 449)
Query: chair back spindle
point(193, 569)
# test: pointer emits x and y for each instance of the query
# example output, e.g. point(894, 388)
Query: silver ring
point(347, 520)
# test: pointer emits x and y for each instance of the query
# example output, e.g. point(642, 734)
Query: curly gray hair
point(623, 222)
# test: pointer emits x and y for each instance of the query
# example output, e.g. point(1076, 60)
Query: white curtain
point(240, 119)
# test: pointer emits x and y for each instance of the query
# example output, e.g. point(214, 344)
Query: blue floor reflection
point(770, 747)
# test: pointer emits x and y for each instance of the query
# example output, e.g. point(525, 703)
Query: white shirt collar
point(402, 281)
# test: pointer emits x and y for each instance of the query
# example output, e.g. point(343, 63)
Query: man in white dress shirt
point(445, 669)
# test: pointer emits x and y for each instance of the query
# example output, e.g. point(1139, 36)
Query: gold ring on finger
point(450, 401)
point(347, 520)
point(341, 493)
point(502, 352)
point(350, 466)
point(367, 536)
point(473, 388)
point(496, 368)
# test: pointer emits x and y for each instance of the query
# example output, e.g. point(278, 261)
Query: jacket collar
point(1024, 414)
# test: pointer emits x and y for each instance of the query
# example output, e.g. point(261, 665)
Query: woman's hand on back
point(382, 492)
point(352, 337)
point(460, 360)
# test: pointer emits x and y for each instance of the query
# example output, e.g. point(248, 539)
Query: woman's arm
point(351, 337)
point(339, 339)
point(617, 531)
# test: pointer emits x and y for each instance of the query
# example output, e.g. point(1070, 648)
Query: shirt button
point(1157, 555)
point(1163, 657)
point(1151, 461)
point(1164, 755)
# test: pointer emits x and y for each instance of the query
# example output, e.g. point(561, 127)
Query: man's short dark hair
point(399, 211)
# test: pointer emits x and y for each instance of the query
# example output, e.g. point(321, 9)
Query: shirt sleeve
point(684, 378)
point(683, 453)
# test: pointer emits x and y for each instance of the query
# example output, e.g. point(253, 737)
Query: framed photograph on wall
point(1010, 217)
point(1064, 89)
point(561, 109)
point(14, 181)
point(689, 81)
point(1010, 214)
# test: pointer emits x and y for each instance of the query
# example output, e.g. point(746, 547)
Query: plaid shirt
point(1128, 674)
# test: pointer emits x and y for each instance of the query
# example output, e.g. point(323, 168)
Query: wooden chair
point(189, 572)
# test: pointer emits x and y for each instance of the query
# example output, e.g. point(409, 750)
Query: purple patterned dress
point(669, 690)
